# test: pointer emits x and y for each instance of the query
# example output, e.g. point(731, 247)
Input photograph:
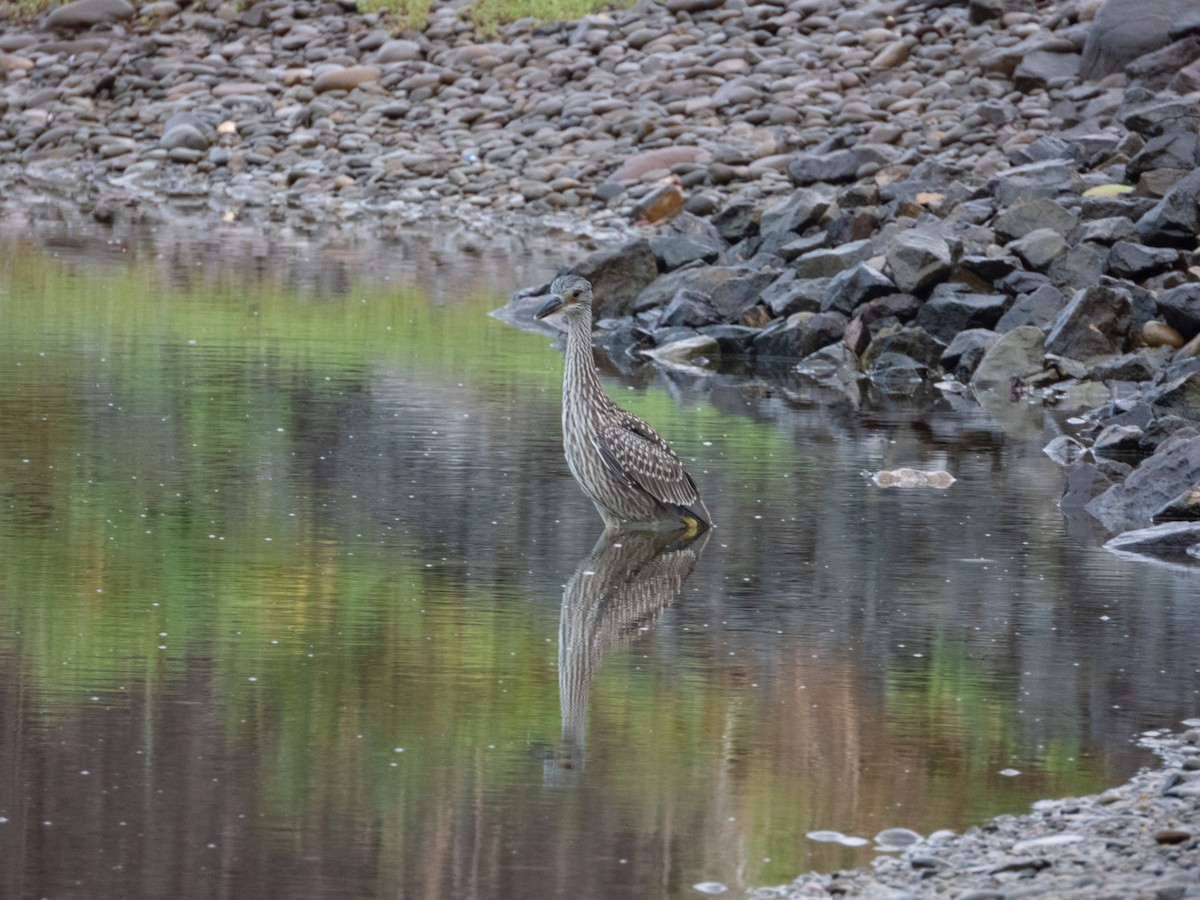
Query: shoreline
point(1135, 840)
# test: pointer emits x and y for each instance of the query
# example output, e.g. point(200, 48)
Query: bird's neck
point(580, 376)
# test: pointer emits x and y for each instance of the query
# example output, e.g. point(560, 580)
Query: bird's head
point(567, 294)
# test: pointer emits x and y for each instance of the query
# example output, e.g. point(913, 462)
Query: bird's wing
point(634, 452)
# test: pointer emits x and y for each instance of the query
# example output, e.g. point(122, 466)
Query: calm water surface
point(297, 598)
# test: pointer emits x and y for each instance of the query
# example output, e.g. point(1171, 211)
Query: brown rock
point(346, 79)
point(1160, 334)
point(639, 164)
point(659, 205)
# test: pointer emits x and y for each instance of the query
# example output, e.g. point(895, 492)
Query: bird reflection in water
point(618, 590)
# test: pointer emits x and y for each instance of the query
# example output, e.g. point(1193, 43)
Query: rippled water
point(297, 597)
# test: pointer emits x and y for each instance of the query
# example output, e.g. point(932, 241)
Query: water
point(297, 598)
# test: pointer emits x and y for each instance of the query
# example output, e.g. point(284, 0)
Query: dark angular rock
point(714, 295)
point(1123, 30)
point(901, 307)
point(1180, 308)
point(1135, 261)
point(849, 289)
point(733, 340)
point(838, 165)
point(618, 276)
point(788, 294)
point(834, 365)
point(991, 269)
point(967, 350)
point(1173, 150)
point(1122, 442)
point(1038, 308)
point(1082, 266)
point(1154, 485)
point(821, 330)
point(1017, 356)
point(1155, 70)
point(947, 312)
point(1039, 248)
point(671, 252)
point(780, 340)
point(914, 343)
point(918, 260)
point(1029, 215)
point(803, 208)
point(1174, 542)
point(1093, 325)
point(1175, 220)
point(828, 262)
point(1151, 114)
point(1140, 365)
point(1051, 178)
point(1107, 230)
point(1048, 146)
point(738, 220)
point(797, 246)
point(1043, 68)
point(1179, 397)
point(1085, 481)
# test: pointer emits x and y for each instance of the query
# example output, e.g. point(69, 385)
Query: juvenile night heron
point(623, 466)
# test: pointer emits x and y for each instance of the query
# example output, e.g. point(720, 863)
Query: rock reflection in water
point(618, 590)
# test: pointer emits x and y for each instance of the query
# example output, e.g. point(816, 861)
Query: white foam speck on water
point(710, 887)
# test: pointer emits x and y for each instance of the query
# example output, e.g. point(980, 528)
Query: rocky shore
point(1133, 842)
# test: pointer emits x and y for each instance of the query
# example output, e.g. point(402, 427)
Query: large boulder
point(1019, 354)
point(1093, 326)
point(948, 312)
point(1156, 484)
point(1123, 30)
point(618, 276)
point(1175, 220)
point(918, 260)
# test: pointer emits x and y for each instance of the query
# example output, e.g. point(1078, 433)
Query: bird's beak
point(551, 306)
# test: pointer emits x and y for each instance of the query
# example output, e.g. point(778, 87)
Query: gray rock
point(1156, 483)
point(1039, 248)
point(1179, 397)
point(1039, 308)
point(618, 275)
point(1025, 216)
point(1180, 308)
point(1119, 442)
point(1042, 69)
point(839, 165)
point(913, 343)
point(1135, 261)
point(826, 263)
point(803, 208)
point(947, 312)
point(788, 294)
point(1107, 230)
point(1170, 541)
point(918, 260)
point(1157, 69)
point(737, 220)
point(86, 13)
point(850, 289)
point(1123, 30)
point(1173, 150)
point(1175, 220)
point(671, 252)
point(711, 295)
point(1142, 364)
point(1093, 325)
point(967, 350)
point(1020, 354)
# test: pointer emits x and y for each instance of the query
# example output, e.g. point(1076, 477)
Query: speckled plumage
point(630, 473)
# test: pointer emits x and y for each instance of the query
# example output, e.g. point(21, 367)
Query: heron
point(630, 473)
